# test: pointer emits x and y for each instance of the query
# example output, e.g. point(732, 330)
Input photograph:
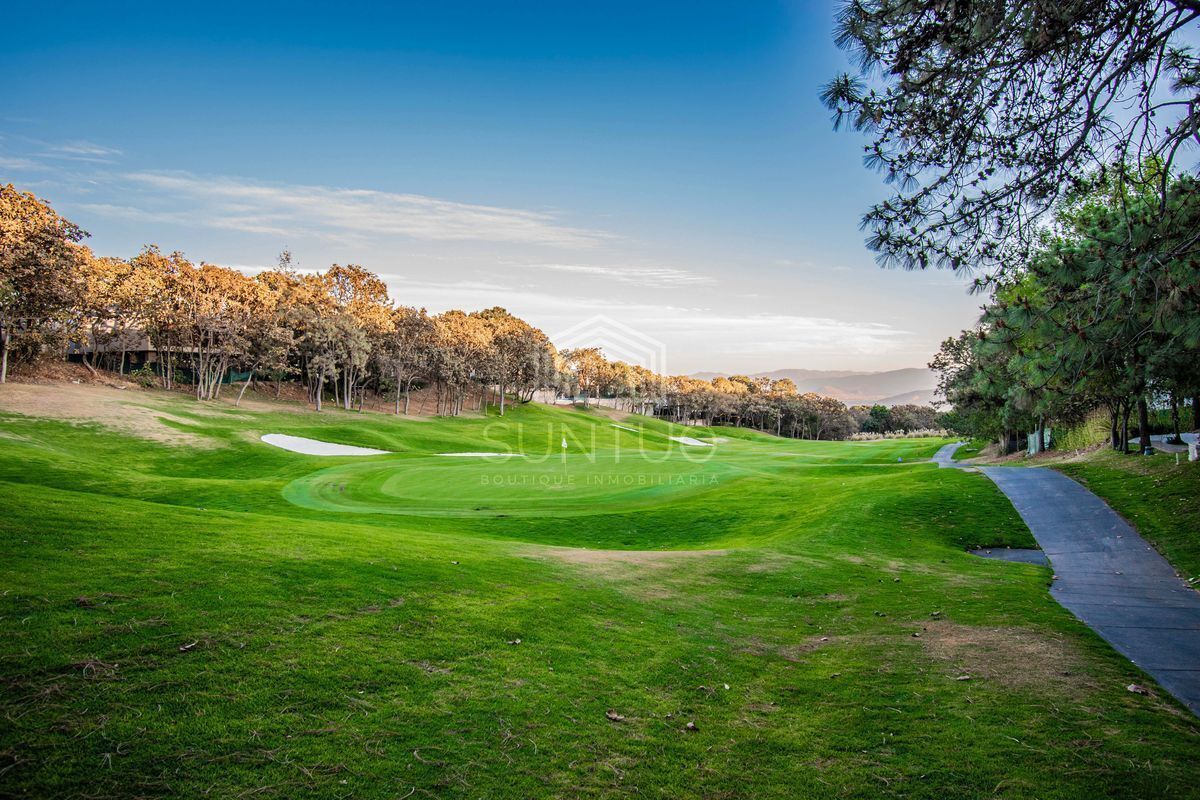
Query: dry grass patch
point(767, 562)
point(650, 575)
point(1015, 658)
point(603, 558)
point(109, 407)
point(756, 646)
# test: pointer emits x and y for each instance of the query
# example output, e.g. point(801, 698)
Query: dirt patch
point(261, 396)
point(1016, 658)
point(645, 574)
point(991, 456)
point(756, 646)
point(797, 652)
point(48, 372)
point(768, 561)
point(651, 558)
point(118, 409)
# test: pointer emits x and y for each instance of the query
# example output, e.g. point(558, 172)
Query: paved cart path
point(1108, 576)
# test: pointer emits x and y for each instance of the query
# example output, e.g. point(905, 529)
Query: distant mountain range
point(890, 388)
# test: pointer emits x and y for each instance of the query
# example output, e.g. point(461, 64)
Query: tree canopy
point(339, 334)
point(1104, 313)
point(983, 114)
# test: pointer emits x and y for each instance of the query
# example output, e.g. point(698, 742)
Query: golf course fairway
point(604, 611)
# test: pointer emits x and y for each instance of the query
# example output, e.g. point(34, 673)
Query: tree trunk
point(1175, 418)
point(1196, 412)
point(1144, 426)
point(502, 387)
point(1040, 446)
point(219, 379)
point(1125, 409)
point(320, 388)
point(407, 389)
point(245, 385)
point(1113, 433)
point(4, 356)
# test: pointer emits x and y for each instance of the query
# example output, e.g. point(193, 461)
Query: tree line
point(340, 336)
point(1104, 314)
point(337, 332)
point(773, 406)
point(1047, 150)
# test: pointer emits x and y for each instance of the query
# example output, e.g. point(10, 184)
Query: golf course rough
point(223, 618)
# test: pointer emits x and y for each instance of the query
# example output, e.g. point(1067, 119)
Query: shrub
point(921, 433)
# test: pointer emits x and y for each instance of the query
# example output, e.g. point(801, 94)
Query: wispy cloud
point(10, 162)
point(82, 150)
point(647, 277)
point(786, 333)
point(337, 213)
point(728, 338)
point(133, 214)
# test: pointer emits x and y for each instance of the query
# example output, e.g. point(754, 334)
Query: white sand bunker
point(688, 440)
point(624, 428)
point(479, 455)
point(312, 447)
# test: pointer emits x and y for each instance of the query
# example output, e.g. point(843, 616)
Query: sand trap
point(312, 447)
point(478, 455)
point(631, 430)
point(688, 440)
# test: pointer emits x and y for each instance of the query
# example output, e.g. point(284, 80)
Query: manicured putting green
point(571, 485)
point(605, 471)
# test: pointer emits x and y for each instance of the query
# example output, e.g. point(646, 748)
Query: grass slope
point(1157, 495)
point(212, 618)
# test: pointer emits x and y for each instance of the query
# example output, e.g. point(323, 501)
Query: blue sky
point(665, 165)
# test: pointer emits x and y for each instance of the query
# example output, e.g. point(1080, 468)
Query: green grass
point(1158, 496)
point(970, 449)
point(229, 619)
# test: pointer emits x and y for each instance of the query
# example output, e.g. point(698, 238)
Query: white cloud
point(7, 162)
point(767, 337)
point(356, 214)
point(646, 277)
point(82, 150)
point(116, 211)
point(786, 333)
